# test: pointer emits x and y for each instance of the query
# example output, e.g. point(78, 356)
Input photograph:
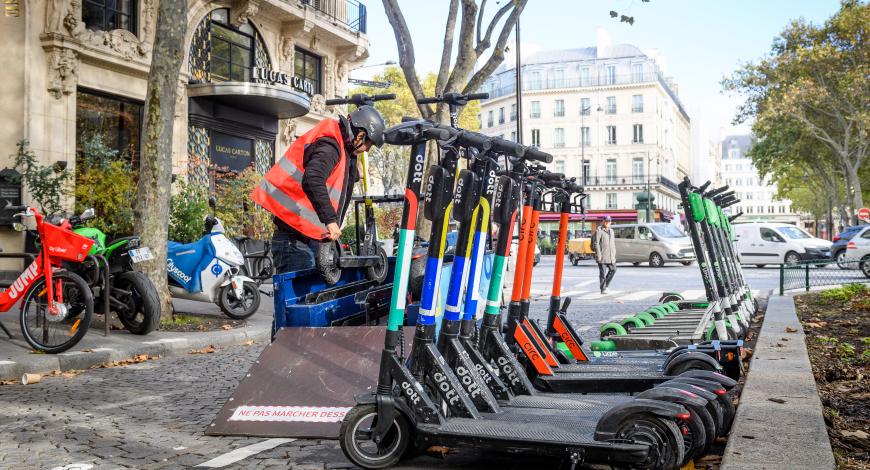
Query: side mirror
point(88, 214)
point(19, 227)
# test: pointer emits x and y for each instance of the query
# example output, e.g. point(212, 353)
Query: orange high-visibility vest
point(280, 192)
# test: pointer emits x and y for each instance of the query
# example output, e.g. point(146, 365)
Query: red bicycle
point(56, 305)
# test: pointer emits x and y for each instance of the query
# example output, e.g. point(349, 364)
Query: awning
point(276, 101)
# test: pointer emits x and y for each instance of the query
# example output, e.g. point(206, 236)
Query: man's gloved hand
point(334, 231)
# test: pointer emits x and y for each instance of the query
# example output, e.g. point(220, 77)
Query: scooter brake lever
point(565, 305)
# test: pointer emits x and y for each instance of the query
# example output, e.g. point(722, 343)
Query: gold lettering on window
point(12, 8)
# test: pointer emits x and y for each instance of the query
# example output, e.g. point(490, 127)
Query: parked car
point(838, 249)
point(859, 248)
point(763, 243)
point(655, 243)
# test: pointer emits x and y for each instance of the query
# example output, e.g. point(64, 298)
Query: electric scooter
point(422, 401)
point(331, 257)
point(209, 270)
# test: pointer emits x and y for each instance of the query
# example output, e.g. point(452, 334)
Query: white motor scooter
point(208, 270)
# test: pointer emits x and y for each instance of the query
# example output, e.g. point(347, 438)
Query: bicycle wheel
point(55, 333)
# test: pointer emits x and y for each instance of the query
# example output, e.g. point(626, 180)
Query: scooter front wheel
point(359, 446)
point(326, 261)
point(239, 308)
point(378, 271)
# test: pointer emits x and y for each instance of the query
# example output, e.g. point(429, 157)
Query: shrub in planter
point(45, 184)
point(187, 210)
point(108, 184)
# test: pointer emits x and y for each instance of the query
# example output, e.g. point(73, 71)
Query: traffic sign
point(864, 213)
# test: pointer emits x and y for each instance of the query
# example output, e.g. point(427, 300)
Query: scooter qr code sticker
point(141, 254)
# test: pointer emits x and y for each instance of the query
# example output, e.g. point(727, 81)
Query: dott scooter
point(471, 208)
point(422, 402)
point(331, 257)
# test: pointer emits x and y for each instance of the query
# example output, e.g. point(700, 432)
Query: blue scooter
point(209, 270)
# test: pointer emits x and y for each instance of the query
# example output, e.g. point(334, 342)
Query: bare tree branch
point(444, 68)
point(465, 55)
point(497, 55)
point(480, 19)
point(405, 46)
point(483, 45)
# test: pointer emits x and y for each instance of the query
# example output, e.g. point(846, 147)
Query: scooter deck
point(599, 382)
point(533, 436)
point(634, 341)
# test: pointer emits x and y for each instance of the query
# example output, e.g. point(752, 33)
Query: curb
point(77, 360)
point(790, 432)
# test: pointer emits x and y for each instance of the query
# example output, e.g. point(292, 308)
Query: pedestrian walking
point(605, 253)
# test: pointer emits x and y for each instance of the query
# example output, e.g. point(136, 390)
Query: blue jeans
point(292, 254)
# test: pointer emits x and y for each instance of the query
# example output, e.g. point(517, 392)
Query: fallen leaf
point(789, 329)
point(227, 327)
point(784, 339)
point(811, 324)
point(206, 350)
point(139, 358)
point(442, 451)
point(87, 350)
point(248, 342)
point(779, 345)
point(858, 434)
point(776, 400)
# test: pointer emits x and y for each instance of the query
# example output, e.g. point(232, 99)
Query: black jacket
point(319, 159)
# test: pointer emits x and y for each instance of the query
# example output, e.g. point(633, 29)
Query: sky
point(703, 40)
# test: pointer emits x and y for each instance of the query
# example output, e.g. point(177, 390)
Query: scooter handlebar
point(360, 99)
point(537, 155)
point(456, 99)
point(712, 193)
point(506, 147)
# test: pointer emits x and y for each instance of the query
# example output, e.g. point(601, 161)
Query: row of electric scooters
point(728, 307)
point(514, 386)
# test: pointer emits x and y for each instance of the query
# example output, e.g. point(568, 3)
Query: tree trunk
point(857, 201)
point(151, 221)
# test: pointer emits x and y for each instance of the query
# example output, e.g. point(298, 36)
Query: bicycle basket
point(64, 244)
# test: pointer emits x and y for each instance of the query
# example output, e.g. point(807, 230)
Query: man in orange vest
point(309, 189)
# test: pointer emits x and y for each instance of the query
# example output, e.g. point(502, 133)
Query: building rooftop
point(615, 51)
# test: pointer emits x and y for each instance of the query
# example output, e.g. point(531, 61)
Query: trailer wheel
point(358, 445)
point(575, 260)
point(326, 260)
point(663, 436)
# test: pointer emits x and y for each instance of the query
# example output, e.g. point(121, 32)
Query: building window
point(501, 115)
point(106, 15)
point(559, 109)
point(559, 138)
point(610, 171)
point(479, 120)
point(761, 209)
point(637, 73)
point(734, 153)
point(489, 119)
point(637, 103)
point(558, 78)
point(116, 121)
point(637, 136)
point(514, 136)
point(586, 171)
point(770, 209)
point(611, 105)
point(560, 166)
point(782, 209)
point(308, 66)
point(536, 109)
point(610, 202)
point(585, 139)
point(610, 74)
point(231, 54)
point(584, 76)
point(536, 137)
point(513, 112)
point(535, 81)
point(585, 106)
point(637, 170)
point(611, 135)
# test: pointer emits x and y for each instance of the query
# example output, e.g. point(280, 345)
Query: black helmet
point(368, 119)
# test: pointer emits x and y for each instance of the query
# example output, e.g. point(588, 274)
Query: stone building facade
point(255, 75)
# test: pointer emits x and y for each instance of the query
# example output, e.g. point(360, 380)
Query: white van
point(655, 243)
point(762, 243)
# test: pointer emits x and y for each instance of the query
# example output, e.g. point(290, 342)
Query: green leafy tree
point(46, 184)
point(816, 79)
point(106, 183)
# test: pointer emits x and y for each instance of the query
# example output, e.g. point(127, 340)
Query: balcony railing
point(350, 13)
point(581, 82)
point(633, 180)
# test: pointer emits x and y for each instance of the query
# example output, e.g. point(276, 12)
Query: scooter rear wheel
point(663, 436)
point(359, 447)
point(326, 260)
point(378, 272)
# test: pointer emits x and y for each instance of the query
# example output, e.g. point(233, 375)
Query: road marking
point(6, 363)
point(640, 295)
point(585, 328)
point(693, 294)
point(243, 452)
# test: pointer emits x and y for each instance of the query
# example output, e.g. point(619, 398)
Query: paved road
point(152, 414)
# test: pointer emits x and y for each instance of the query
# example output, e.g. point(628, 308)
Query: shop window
point(231, 54)
point(307, 66)
point(107, 15)
point(117, 121)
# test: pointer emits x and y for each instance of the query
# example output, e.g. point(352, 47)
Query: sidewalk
point(17, 358)
point(779, 423)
